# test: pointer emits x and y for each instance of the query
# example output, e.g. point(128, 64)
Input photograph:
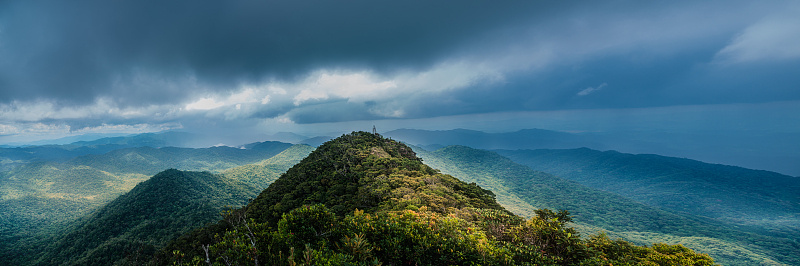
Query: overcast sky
point(70, 67)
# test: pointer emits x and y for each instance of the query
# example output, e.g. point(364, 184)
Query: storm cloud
point(140, 51)
point(173, 64)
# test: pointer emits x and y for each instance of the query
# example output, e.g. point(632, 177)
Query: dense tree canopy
point(362, 199)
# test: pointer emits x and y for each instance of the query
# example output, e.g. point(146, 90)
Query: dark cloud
point(90, 63)
point(150, 50)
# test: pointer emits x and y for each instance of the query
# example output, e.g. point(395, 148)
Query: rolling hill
point(37, 194)
point(132, 227)
point(39, 199)
point(522, 190)
point(760, 199)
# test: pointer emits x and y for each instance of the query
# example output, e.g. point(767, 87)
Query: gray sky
point(69, 67)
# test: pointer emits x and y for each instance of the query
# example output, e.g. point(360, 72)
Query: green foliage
point(663, 254)
point(306, 223)
point(360, 199)
point(542, 190)
point(523, 190)
point(141, 221)
point(42, 200)
point(365, 200)
point(313, 235)
point(365, 171)
point(619, 252)
point(728, 193)
point(756, 213)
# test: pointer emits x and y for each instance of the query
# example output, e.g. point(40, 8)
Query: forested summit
point(363, 199)
point(368, 172)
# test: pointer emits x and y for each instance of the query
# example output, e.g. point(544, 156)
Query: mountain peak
point(366, 171)
point(362, 199)
point(364, 141)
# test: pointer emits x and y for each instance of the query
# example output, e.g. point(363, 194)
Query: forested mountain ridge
point(732, 194)
point(403, 189)
point(132, 227)
point(40, 199)
point(361, 199)
point(37, 194)
point(87, 174)
point(548, 191)
point(353, 172)
point(524, 189)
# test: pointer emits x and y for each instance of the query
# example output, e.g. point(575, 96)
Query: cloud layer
point(105, 64)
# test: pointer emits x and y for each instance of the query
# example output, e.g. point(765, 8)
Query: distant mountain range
point(774, 151)
point(13, 156)
point(64, 140)
point(287, 137)
point(522, 139)
point(777, 152)
point(743, 196)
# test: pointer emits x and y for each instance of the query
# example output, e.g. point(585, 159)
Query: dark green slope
point(524, 189)
point(39, 194)
point(361, 199)
point(543, 190)
point(728, 193)
point(137, 223)
point(93, 176)
point(37, 200)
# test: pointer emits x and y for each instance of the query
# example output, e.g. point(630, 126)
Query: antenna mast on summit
point(374, 132)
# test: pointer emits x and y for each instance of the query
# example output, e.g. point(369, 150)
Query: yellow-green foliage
point(369, 172)
point(722, 250)
point(423, 237)
point(521, 188)
point(365, 200)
